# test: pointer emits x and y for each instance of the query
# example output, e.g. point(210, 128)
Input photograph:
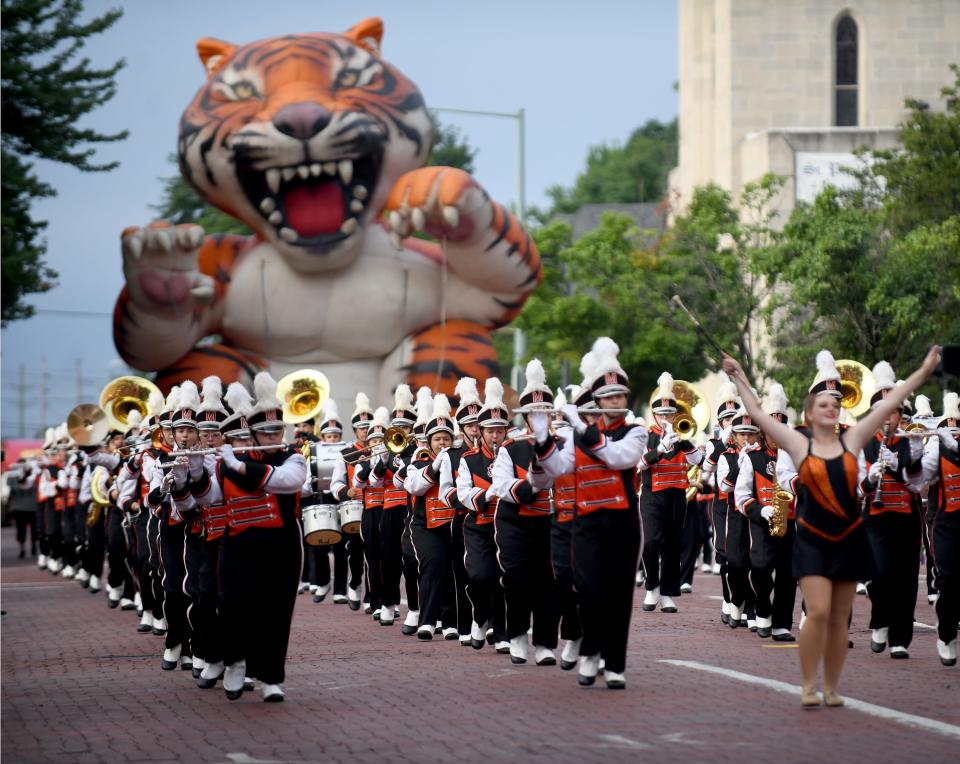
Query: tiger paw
point(160, 267)
point(444, 202)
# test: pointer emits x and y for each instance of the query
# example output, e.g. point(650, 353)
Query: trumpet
point(216, 451)
point(918, 431)
point(395, 441)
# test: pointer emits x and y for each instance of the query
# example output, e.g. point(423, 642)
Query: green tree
point(179, 203)
point(46, 93)
point(634, 172)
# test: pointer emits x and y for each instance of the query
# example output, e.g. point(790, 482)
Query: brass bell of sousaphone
point(121, 396)
point(303, 394)
point(856, 385)
point(693, 413)
point(87, 424)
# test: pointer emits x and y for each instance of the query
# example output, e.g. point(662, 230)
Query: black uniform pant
point(738, 560)
point(68, 532)
point(928, 553)
point(40, 527)
point(434, 554)
point(175, 601)
point(144, 525)
point(393, 522)
point(319, 560)
point(26, 520)
point(411, 568)
point(204, 618)
point(895, 545)
point(771, 574)
point(663, 514)
point(115, 537)
point(945, 535)
point(97, 542)
point(370, 533)
point(259, 576)
point(690, 542)
point(606, 544)
point(561, 558)
point(53, 525)
point(483, 576)
point(523, 545)
point(464, 612)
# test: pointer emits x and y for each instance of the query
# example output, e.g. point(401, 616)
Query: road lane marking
point(882, 712)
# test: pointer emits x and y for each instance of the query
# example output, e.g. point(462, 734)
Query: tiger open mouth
point(313, 205)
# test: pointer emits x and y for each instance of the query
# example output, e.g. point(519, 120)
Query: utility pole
point(43, 394)
point(79, 381)
point(21, 399)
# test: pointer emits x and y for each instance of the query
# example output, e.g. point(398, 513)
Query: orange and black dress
point(831, 538)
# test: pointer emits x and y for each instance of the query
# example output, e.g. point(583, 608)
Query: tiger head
point(301, 137)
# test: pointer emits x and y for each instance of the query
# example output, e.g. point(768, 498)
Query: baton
point(697, 325)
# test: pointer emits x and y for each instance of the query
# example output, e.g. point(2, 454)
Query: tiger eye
point(244, 90)
point(348, 79)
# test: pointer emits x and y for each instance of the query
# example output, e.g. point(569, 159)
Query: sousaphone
point(303, 394)
point(856, 386)
point(124, 394)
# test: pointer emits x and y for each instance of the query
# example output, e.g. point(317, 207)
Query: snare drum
point(351, 514)
point(321, 525)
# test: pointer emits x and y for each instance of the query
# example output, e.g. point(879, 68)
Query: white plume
point(884, 377)
point(665, 385)
point(441, 406)
point(588, 367)
point(951, 406)
point(381, 417)
point(173, 398)
point(493, 393)
point(402, 398)
point(155, 402)
point(134, 419)
point(536, 376)
point(238, 398)
point(776, 399)
point(189, 396)
point(424, 405)
point(923, 406)
point(605, 349)
point(466, 391)
point(329, 411)
point(265, 388)
point(574, 392)
point(211, 390)
point(726, 392)
point(49, 437)
point(559, 400)
point(826, 366)
point(362, 404)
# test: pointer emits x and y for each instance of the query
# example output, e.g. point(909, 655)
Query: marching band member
point(522, 531)
point(474, 479)
point(663, 503)
point(771, 558)
point(606, 527)
point(941, 469)
point(831, 550)
point(886, 466)
point(342, 488)
point(105, 524)
point(716, 446)
point(431, 525)
point(41, 482)
point(922, 415)
point(261, 555)
point(372, 489)
point(54, 487)
point(72, 525)
point(173, 528)
point(737, 531)
point(466, 422)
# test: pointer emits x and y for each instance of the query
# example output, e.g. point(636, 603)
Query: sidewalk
point(80, 685)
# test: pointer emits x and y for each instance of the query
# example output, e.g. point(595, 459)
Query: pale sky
point(585, 73)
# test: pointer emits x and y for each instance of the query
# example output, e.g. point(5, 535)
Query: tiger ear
point(214, 53)
point(367, 33)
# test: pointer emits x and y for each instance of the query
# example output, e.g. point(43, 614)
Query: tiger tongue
point(314, 209)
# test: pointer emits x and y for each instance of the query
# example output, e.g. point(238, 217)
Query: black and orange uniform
point(448, 492)
point(771, 557)
point(261, 557)
point(561, 554)
point(146, 529)
point(370, 532)
point(172, 530)
point(831, 539)
point(663, 507)
point(736, 533)
point(204, 618)
point(484, 590)
point(354, 542)
point(109, 532)
point(893, 530)
point(717, 509)
point(54, 507)
point(607, 534)
point(393, 523)
point(522, 532)
point(941, 467)
point(72, 526)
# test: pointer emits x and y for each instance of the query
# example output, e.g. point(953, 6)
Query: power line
point(66, 312)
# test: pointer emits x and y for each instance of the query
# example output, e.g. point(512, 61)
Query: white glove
point(947, 440)
point(436, 462)
point(179, 471)
point(571, 414)
point(766, 512)
point(667, 442)
point(889, 459)
point(916, 449)
point(489, 494)
point(195, 463)
point(875, 471)
point(725, 433)
point(540, 424)
point(227, 457)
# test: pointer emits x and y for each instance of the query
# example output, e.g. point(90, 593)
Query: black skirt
point(846, 560)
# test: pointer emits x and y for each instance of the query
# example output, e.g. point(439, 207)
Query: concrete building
point(795, 86)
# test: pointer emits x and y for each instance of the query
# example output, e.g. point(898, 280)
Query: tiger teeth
point(330, 168)
point(345, 168)
point(316, 169)
point(303, 171)
point(273, 181)
point(356, 205)
point(349, 226)
point(267, 205)
point(288, 173)
point(360, 192)
point(275, 217)
point(288, 234)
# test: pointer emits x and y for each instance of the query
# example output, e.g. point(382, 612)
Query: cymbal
point(87, 424)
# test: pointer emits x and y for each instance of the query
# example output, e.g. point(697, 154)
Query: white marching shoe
point(233, 679)
point(466, 640)
point(450, 633)
point(478, 635)
point(68, 571)
point(82, 577)
point(589, 667)
point(878, 639)
point(127, 604)
point(706, 567)
point(932, 598)
point(210, 674)
point(686, 588)
point(304, 586)
point(715, 569)
point(640, 577)
point(861, 588)
point(386, 616)
point(171, 656)
point(544, 656)
point(651, 599)
point(614, 680)
point(339, 599)
point(94, 584)
point(411, 622)
point(146, 623)
point(518, 649)
point(667, 605)
point(502, 647)
point(113, 595)
point(42, 561)
point(736, 613)
point(569, 654)
point(272, 693)
point(947, 652)
point(353, 598)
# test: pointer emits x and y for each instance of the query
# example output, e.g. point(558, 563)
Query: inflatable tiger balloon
point(319, 145)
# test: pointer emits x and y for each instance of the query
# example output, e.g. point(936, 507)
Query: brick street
point(80, 685)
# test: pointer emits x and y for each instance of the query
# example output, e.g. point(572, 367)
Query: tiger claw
point(133, 245)
point(395, 240)
point(418, 219)
point(451, 216)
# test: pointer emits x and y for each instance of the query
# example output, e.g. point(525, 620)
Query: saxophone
point(781, 505)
